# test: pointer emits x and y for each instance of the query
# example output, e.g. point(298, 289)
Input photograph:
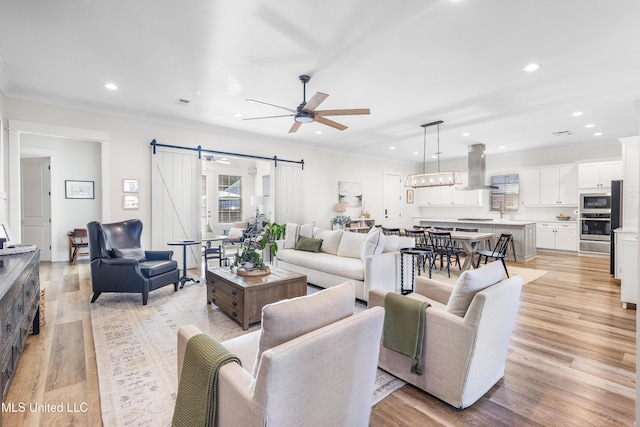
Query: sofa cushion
point(351, 268)
point(370, 243)
point(155, 268)
point(350, 244)
point(294, 231)
point(235, 233)
point(308, 245)
point(330, 240)
point(133, 253)
point(381, 243)
point(288, 319)
point(469, 283)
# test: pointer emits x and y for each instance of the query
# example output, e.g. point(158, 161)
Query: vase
point(248, 266)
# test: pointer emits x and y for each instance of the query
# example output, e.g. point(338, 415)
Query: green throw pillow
point(309, 245)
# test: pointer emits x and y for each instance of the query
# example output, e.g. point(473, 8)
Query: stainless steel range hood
point(477, 169)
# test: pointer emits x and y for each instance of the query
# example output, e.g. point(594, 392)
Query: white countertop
point(499, 221)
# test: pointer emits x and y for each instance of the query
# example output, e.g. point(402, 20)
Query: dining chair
point(499, 252)
point(443, 247)
point(391, 231)
point(419, 236)
point(78, 243)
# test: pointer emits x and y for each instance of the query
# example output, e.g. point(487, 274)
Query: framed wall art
point(130, 185)
point(350, 193)
point(130, 202)
point(79, 189)
point(410, 196)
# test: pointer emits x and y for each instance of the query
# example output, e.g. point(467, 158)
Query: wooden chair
point(419, 236)
point(78, 244)
point(498, 252)
point(444, 247)
point(390, 231)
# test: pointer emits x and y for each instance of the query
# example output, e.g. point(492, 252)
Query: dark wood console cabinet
point(19, 308)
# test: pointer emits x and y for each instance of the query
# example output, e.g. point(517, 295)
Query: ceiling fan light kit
point(432, 179)
point(306, 112)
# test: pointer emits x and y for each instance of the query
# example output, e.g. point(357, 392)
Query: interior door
point(392, 200)
point(36, 204)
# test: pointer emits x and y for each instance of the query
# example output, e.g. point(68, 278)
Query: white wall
point(130, 153)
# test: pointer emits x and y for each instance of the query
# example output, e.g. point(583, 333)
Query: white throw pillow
point(350, 244)
point(469, 283)
point(306, 230)
point(235, 233)
point(370, 243)
point(290, 236)
point(330, 240)
point(381, 243)
point(288, 319)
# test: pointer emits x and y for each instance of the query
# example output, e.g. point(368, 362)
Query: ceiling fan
point(306, 112)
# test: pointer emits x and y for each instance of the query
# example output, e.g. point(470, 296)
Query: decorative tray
point(240, 271)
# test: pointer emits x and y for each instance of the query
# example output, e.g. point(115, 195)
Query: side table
point(184, 243)
point(418, 256)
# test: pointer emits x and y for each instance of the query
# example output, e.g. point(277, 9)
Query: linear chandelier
point(433, 179)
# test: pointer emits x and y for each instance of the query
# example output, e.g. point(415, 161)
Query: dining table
point(469, 241)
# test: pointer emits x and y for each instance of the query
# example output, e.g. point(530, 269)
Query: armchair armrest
point(158, 255)
point(433, 289)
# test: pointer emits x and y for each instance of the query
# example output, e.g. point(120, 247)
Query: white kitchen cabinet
point(559, 185)
point(530, 187)
point(599, 174)
point(627, 256)
point(557, 236)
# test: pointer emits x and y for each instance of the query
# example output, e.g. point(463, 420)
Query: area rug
point(136, 351)
point(527, 274)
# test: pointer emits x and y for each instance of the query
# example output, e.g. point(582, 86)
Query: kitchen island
point(524, 232)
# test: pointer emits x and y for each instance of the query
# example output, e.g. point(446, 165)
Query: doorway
point(35, 175)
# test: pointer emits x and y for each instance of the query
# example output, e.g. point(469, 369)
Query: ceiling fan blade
point(347, 112)
point(315, 101)
point(271, 105)
point(268, 117)
point(295, 127)
point(331, 123)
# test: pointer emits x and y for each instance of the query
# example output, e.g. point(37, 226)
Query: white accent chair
point(313, 363)
point(467, 332)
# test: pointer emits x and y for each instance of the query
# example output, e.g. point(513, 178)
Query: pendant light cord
point(424, 152)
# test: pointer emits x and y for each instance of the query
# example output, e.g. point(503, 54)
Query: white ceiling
point(411, 62)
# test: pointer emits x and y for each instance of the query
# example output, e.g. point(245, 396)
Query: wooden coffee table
point(242, 297)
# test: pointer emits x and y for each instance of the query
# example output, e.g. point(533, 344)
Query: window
point(505, 198)
point(229, 198)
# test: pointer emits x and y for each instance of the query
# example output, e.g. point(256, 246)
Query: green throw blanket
point(196, 400)
point(403, 330)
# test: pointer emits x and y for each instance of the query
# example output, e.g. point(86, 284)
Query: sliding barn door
point(288, 200)
point(175, 202)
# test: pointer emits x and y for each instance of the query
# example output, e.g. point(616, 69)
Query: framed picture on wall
point(130, 185)
point(410, 196)
point(130, 202)
point(78, 189)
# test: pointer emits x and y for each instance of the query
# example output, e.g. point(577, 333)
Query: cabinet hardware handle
point(234, 293)
point(235, 304)
point(234, 314)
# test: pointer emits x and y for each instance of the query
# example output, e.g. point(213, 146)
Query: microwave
point(595, 203)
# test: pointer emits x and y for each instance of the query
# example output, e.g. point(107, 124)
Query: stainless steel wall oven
point(595, 222)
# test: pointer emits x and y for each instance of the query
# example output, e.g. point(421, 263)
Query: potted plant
point(208, 231)
point(341, 220)
point(271, 233)
point(249, 259)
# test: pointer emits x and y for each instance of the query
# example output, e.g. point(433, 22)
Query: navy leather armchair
point(119, 264)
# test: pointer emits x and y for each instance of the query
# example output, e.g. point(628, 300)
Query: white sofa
point(371, 260)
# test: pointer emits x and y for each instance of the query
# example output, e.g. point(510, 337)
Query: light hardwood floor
point(571, 361)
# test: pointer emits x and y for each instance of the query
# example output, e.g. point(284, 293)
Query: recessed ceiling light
point(531, 67)
point(318, 132)
point(502, 147)
point(577, 113)
point(590, 125)
point(239, 115)
point(392, 148)
point(416, 153)
point(597, 134)
point(435, 156)
point(465, 134)
point(110, 86)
